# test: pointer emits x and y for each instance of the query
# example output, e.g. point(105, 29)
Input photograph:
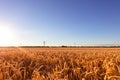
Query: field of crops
point(59, 63)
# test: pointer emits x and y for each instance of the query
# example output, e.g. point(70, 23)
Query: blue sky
point(63, 22)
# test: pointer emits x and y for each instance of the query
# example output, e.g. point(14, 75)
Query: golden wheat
point(59, 64)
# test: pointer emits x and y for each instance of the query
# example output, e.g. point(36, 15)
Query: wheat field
point(59, 63)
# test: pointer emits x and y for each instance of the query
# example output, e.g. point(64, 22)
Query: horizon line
point(63, 46)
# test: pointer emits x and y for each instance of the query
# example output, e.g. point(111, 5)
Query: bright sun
point(6, 36)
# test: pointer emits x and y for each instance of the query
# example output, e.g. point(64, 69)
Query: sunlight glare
point(6, 35)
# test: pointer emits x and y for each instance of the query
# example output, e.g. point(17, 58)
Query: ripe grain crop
point(59, 63)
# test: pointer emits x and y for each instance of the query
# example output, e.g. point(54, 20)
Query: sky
point(62, 22)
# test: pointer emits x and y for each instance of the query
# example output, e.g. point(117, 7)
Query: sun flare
point(6, 36)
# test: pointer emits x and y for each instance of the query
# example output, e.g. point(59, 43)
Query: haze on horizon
point(60, 22)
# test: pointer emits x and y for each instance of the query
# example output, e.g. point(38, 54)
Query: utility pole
point(43, 43)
